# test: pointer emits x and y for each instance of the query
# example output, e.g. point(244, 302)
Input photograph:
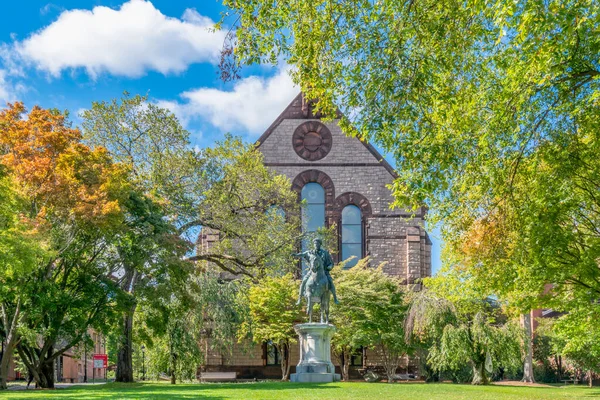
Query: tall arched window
point(313, 213)
point(351, 234)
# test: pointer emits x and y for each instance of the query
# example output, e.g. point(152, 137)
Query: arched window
point(352, 241)
point(313, 213)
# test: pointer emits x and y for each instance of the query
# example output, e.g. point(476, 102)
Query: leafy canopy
point(489, 108)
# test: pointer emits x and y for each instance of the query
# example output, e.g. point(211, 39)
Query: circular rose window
point(312, 140)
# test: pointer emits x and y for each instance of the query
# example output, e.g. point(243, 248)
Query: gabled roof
point(301, 108)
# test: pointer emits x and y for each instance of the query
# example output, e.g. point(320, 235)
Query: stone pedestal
point(315, 354)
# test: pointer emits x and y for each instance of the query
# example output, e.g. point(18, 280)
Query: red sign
point(100, 358)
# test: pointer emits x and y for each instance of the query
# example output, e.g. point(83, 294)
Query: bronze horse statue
point(317, 291)
point(317, 283)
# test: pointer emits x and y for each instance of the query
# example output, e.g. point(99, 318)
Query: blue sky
point(68, 53)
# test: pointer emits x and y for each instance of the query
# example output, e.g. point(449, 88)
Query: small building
point(345, 182)
point(71, 366)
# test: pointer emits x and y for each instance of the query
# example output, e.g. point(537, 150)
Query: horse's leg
point(327, 298)
point(309, 308)
point(325, 308)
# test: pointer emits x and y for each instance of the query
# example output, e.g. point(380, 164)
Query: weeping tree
point(459, 335)
point(178, 329)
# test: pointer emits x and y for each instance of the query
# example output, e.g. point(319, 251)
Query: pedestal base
point(315, 354)
point(308, 377)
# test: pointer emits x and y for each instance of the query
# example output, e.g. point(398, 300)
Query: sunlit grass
point(287, 390)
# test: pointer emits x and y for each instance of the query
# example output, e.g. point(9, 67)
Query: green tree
point(489, 109)
point(205, 313)
point(470, 331)
point(154, 146)
point(21, 247)
point(226, 188)
point(371, 314)
point(72, 195)
point(272, 315)
point(148, 255)
point(575, 336)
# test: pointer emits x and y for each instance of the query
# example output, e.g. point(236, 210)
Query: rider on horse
point(318, 254)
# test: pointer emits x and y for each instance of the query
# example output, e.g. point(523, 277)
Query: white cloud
point(129, 41)
point(252, 105)
point(4, 91)
point(7, 89)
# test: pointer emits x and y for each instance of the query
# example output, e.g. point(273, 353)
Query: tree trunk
point(40, 364)
point(590, 378)
point(124, 371)
point(45, 375)
point(479, 376)
point(10, 328)
point(390, 362)
point(285, 360)
point(5, 362)
point(558, 363)
point(528, 364)
point(346, 357)
point(173, 368)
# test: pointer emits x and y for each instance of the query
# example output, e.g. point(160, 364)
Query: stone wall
point(395, 237)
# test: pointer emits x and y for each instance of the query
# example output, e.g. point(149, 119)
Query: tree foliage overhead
point(489, 108)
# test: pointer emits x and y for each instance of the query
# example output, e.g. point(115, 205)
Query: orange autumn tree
point(74, 196)
point(55, 170)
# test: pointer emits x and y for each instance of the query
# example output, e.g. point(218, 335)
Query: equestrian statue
point(316, 282)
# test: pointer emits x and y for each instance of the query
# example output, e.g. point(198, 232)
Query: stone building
point(344, 182)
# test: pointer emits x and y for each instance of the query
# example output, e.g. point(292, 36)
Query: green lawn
point(286, 390)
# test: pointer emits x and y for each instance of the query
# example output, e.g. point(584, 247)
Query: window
point(272, 354)
point(313, 216)
point(356, 359)
point(313, 213)
point(352, 243)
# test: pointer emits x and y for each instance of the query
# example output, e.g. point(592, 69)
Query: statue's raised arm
point(303, 254)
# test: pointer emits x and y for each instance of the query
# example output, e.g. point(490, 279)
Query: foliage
point(272, 315)
point(73, 196)
point(470, 331)
point(152, 142)
point(489, 108)
point(371, 314)
point(574, 336)
point(241, 203)
point(204, 314)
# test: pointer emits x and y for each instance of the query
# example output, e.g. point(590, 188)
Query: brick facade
point(394, 237)
point(351, 172)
